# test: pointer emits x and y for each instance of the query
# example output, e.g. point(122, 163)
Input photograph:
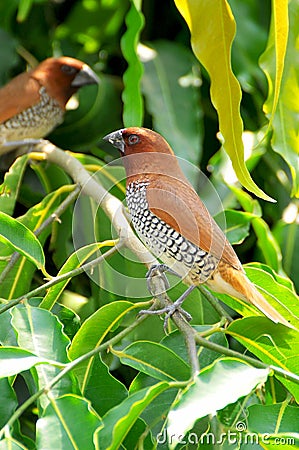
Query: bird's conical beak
point(116, 139)
point(85, 76)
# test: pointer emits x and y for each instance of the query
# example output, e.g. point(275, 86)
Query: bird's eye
point(133, 139)
point(69, 70)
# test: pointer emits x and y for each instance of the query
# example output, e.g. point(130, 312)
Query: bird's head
point(63, 76)
point(145, 153)
point(133, 140)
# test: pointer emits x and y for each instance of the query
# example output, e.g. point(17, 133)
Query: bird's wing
point(177, 204)
point(16, 96)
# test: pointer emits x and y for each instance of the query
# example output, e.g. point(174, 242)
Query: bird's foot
point(159, 270)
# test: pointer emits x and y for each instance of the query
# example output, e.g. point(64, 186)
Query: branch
point(59, 278)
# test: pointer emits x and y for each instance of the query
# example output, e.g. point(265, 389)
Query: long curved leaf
point(213, 28)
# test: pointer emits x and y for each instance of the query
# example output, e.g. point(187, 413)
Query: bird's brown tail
point(229, 280)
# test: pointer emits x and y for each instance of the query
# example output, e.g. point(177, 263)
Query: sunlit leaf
point(215, 387)
point(281, 69)
point(211, 43)
point(14, 360)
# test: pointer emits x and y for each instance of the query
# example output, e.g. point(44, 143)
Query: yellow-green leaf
point(278, 41)
point(280, 64)
point(213, 28)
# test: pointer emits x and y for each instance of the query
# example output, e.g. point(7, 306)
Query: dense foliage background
point(141, 384)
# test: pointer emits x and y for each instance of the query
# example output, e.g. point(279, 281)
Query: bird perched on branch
point(33, 103)
point(173, 222)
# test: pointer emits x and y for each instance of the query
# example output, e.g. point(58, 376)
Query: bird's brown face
point(62, 77)
point(145, 153)
point(134, 140)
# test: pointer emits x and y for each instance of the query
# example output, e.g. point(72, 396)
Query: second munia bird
point(33, 103)
point(173, 222)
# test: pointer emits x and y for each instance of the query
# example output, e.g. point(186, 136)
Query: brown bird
point(173, 222)
point(33, 103)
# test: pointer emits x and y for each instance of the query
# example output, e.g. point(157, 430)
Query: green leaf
point(273, 419)
point(280, 279)
point(68, 424)
point(271, 343)
point(102, 389)
point(287, 236)
point(237, 225)
point(7, 332)
point(171, 91)
point(155, 360)
point(92, 26)
point(277, 425)
point(8, 401)
point(267, 244)
point(280, 63)
point(211, 43)
point(277, 44)
point(119, 420)
point(9, 189)
point(21, 240)
point(265, 239)
point(246, 201)
point(24, 9)
point(40, 332)
point(155, 413)
point(131, 96)
point(92, 333)
point(14, 360)
point(18, 280)
point(218, 385)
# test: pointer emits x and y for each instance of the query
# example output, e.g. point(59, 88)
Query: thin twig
point(215, 303)
point(59, 278)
